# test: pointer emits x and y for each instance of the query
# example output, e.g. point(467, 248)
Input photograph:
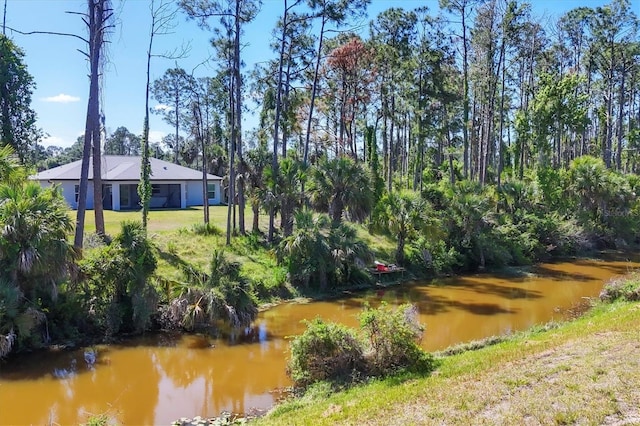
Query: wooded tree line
point(480, 90)
point(476, 137)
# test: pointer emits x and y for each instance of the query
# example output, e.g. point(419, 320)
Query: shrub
point(433, 256)
point(392, 337)
point(205, 298)
point(625, 288)
point(388, 344)
point(325, 351)
point(118, 294)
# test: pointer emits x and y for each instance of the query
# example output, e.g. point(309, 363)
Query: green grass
point(172, 231)
point(159, 220)
point(585, 371)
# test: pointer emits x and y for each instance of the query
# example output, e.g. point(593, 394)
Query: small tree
point(34, 253)
point(17, 119)
point(340, 185)
point(402, 214)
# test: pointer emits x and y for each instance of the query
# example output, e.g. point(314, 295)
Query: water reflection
point(160, 377)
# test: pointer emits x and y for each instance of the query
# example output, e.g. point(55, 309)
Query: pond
point(158, 378)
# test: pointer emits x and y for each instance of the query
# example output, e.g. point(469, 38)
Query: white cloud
point(61, 98)
point(163, 107)
point(156, 136)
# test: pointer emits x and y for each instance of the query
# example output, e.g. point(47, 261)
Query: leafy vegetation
point(624, 288)
point(388, 343)
point(442, 154)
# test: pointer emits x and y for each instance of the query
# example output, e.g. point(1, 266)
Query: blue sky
point(60, 70)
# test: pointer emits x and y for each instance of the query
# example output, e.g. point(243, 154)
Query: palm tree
point(35, 224)
point(222, 294)
point(471, 209)
point(256, 161)
point(307, 251)
point(340, 185)
point(402, 214)
point(34, 252)
point(347, 252)
point(588, 178)
point(11, 172)
point(287, 195)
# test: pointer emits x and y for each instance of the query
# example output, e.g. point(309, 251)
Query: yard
point(159, 220)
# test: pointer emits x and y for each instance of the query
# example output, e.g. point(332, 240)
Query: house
point(173, 186)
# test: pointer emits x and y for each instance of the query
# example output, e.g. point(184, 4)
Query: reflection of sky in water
point(262, 333)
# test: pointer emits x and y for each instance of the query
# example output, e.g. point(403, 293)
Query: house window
point(77, 192)
point(155, 189)
point(211, 191)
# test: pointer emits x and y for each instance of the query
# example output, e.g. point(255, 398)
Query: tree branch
point(48, 33)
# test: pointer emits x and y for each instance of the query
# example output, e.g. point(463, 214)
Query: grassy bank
point(585, 371)
point(173, 233)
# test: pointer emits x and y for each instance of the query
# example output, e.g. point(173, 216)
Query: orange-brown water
point(159, 378)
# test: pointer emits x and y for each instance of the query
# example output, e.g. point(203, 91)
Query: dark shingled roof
point(121, 167)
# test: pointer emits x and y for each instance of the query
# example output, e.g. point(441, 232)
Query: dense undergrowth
point(184, 276)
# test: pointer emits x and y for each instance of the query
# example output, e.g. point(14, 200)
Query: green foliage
point(207, 229)
point(118, 291)
point(433, 256)
point(285, 193)
point(318, 255)
point(393, 337)
point(222, 294)
point(341, 185)
point(325, 352)
point(623, 288)
point(403, 215)
point(331, 352)
point(35, 255)
point(17, 119)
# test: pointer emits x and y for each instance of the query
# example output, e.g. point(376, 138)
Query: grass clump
point(206, 229)
point(388, 343)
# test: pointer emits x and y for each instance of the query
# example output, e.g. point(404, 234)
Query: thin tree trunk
point(238, 117)
point(465, 99)
point(95, 16)
point(314, 90)
point(620, 121)
point(274, 159)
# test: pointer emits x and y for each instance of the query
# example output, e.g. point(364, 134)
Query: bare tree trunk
point(465, 100)
point(620, 121)
point(96, 24)
point(314, 90)
point(274, 159)
point(238, 117)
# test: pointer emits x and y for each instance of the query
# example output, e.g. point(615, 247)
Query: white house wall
point(194, 194)
point(68, 189)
